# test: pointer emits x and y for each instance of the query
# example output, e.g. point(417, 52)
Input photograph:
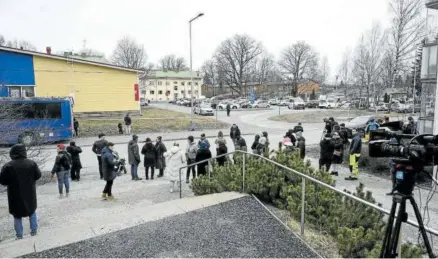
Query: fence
point(303, 187)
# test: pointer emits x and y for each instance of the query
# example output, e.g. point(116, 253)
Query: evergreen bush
point(357, 228)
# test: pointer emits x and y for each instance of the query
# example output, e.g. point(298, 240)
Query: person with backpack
point(203, 154)
point(191, 151)
point(76, 167)
point(203, 138)
point(61, 168)
point(97, 148)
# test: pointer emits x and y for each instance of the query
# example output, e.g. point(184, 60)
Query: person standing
point(97, 148)
point(326, 152)
point(148, 151)
point(411, 127)
point(76, 127)
point(134, 157)
point(301, 144)
point(61, 169)
point(109, 173)
point(174, 161)
point(234, 133)
point(76, 166)
point(266, 149)
point(261, 146)
point(203, 154)
point(298, 128)
point(203, 138)
point(337, 154)
point(160, 149)
point(355, 150)
point(20, 175)
point(255, 144)
point(191, 151)
point(241, 144)
point(228, 110)
point(220, 139)
point(128, 124)
point(221, 150)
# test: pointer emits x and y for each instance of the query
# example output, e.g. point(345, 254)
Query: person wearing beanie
point(149, 159)
point(74, 151)
point(134, 157)
point(191, 152)
point(203, 138)
point(97, 149)
point(160, 149)
point(20, 175)
point(63, 162)
point(203, 154)
point(355, 150)
point(109, 172)
point(326, 152)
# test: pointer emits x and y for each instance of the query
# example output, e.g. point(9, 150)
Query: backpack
point(67, 161)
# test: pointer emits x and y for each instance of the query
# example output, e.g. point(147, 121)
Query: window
point(175, 87)
point(160, 92)
point(189, 83)
point(143, 91)
point(151, 82)
point(182, 92)
point(183, 83)
point(28, 91)
point(160, 83)
point(196, 83)
point(152, 92)
point(53, 110)
point(175, 82)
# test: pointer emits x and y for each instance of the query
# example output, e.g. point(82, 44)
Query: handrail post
point(303, 203)
point(180, 184)
point(209, 174)
point(243, 171)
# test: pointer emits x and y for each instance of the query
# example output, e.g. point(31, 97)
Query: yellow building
point(170, 85)
point(94, 87)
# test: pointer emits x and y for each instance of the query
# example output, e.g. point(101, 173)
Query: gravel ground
point(238, 228)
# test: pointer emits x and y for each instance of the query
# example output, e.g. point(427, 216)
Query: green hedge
point(357, 228)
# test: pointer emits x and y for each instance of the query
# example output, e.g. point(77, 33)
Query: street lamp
point(191, 68)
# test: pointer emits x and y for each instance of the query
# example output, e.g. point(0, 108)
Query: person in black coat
point(234, 133)
point(326, 152)
point(76, 127)
point(109, 172)
point(222, 149)
point(75, 170)
point(97, 148)
point(203, 153)
point(338, 153)
point(148, 151)
point(20, 176)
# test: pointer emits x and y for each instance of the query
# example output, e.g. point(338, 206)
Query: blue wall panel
point(16, 69)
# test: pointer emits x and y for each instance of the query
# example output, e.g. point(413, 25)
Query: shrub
point(357, 228)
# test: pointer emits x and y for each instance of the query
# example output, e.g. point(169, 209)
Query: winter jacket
point(220, 140)
point(234, 132)
point(255, 144)
point(298, 128)
point(222, 149)
point(20, 175)
point(328, 127)
point(241, 144)
point(302, 146)
point(343, 133)
point(338, 144)
point(174, 161)
point(411, 128)
point(108, 164)
point(205, 140)
point(74, 152)
point(372, 126)
point(63, 162)
point(76, 124)
point(203, 154)
point(160, 149)
point(356, 145)
point(191, 151)
point(228, 107)
point(327, 148)
point(261, 147)
point(127, 120)
point(133, 153)
point(148, 151)
point(98, 146)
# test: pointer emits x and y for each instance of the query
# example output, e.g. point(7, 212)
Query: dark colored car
point(312, 104)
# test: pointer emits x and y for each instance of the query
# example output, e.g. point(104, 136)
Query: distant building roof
point(59, 57)
point(155, 74)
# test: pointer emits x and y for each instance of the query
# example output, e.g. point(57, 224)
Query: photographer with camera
point(355, 150)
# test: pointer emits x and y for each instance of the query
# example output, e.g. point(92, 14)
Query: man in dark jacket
point(202, 154)
point(355, 150)
point(411, 127)
point(234, 133)
point(76, 166)
point(301, 144)
point(97, 149)
point(63, 162)
point(228, 110)
point(160, 149)
point(298, 128)
point(109, 174)
point(128, 123)
point(76, 127)
point(149, 158)
point(241, 144)
point(134, 157)
point(20, 175)
point(203, 138)
point(326, 152)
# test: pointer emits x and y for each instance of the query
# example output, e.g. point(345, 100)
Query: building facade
point(170, 85)
point(92, 86)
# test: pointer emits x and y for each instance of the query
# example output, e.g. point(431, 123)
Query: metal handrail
point(303, 189)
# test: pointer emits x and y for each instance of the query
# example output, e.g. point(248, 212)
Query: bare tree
point(346, 67)
point(323, 71)
point(298, 61)
point(21, 44)
point(2, 40)
point(235, 58)
point(407, 29)
point(173, 63)
point(129, 53)
point(264, 69)
point(359, 67)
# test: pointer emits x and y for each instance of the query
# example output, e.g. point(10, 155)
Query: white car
point(284, 103)
point(203, 109)
point(262, 105)
point(223, 106)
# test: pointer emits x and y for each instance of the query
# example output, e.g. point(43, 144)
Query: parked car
point(296, 106)
point(274, 102)
point(203, 109)
point(312, 104)
point(223, 106)
point(262, 105)
point(358, 123)
point(283, 103)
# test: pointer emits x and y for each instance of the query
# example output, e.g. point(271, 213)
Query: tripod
point(390, 242)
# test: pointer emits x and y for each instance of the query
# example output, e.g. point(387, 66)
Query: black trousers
point(108, 188)
point(147, 172)
point(75, 172)
point(191, 168)
point(76, 132)
point(161, 172)
point(228, 112)
point(325, 163)
point(99, 160)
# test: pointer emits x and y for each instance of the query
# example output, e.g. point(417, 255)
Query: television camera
point(409, 154)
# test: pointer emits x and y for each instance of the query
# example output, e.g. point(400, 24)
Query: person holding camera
point(355, 150)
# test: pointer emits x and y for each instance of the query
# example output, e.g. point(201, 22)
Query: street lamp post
point(191, 68)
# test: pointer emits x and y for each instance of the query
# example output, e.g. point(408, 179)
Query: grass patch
point(152, 120)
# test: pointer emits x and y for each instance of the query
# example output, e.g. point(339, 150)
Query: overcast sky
point(162, 25)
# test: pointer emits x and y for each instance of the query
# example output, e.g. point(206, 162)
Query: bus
point(35, 120)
